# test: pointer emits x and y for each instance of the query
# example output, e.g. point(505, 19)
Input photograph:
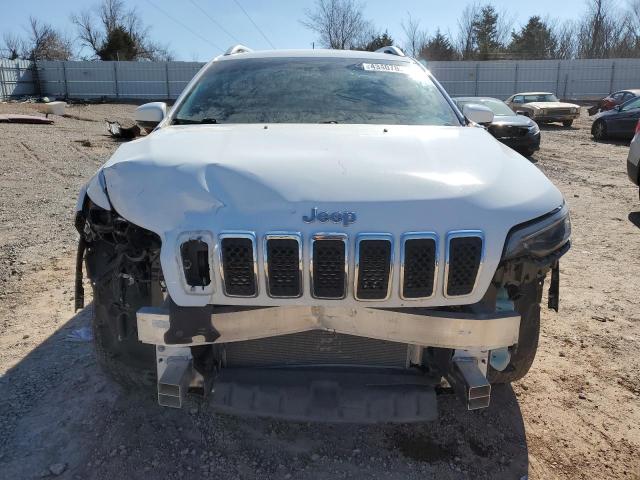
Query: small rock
point(58, 468)
point(562, 354)
point(582, 396)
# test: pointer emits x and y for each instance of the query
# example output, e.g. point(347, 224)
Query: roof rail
point(391, 50)
point(238, 49)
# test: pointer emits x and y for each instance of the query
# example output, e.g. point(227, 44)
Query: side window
point(518, 99)
point(631, 105)
point(618, 97)
point(627, 96)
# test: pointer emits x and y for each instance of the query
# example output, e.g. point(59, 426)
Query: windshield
point(315, 90)
point(542, 97)
point(497, 107)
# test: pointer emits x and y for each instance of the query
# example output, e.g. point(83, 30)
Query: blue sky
point(278, 19)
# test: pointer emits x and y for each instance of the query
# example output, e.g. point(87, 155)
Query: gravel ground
point(576, 415)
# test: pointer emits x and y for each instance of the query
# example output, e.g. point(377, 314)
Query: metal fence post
point(115, 78)
point(477, 75)
point(558, 77)
point(166, 71)
point(515, 81)
point(66, 83)
point(3, 90)
point(613, 73)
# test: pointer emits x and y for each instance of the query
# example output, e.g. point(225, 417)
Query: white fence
point(571, 79)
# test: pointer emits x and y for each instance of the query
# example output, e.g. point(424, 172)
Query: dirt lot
point(576, 415)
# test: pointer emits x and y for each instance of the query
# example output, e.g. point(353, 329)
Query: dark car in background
point(614, 99)
point(619, 122)
point(516, 131)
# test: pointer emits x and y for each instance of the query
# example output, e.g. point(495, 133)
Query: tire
point(528, 305)
point(128, 362)
point(599, 130)
point(527, 152)
point(119, 354)
point(567, 123)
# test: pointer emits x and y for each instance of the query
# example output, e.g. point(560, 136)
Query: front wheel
point(567, 123)
point(527, 152)
point(599, 130)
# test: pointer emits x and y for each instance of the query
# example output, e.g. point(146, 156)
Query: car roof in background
point(635, 91)
point(479, 99)
point(533, 93)
point(317, 53)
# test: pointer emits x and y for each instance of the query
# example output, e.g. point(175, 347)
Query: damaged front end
point(311, 362)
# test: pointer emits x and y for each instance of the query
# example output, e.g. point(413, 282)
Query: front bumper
point(528, 142)
point(423, 327)
point(550, 117)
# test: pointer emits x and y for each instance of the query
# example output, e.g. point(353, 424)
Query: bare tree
point(565, 39)
point(465, 42)
point(416, 38)
point(340, 24)
point(12, 46)
point(44, 42)
point(600, 30)
point(115, 32)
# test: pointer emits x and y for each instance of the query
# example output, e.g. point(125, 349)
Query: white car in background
point(318, 234)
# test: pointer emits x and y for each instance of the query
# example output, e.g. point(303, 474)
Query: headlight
point(574, 110)
point(533, 129)
point(539, 237)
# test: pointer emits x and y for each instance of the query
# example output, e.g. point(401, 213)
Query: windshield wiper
point(186, 121)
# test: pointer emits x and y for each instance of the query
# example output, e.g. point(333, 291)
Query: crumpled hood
point(551, 105)
point(159, 181)
point(258, 178)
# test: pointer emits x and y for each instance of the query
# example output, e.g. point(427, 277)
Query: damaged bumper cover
point(483, 331)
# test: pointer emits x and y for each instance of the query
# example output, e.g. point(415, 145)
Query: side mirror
point(478, 113)
point(522, 112)
point(149, 115)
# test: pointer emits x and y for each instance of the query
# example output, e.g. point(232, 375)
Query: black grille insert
point(419, 267)
point(238, 266)
point(283, 267)
point(329, 268)
point(374, 266)
point(465, 254)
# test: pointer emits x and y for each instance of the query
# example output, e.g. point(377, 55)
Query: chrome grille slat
point(283, 264)
point(238, 264)
point(374, 263)
point(329, 266)
point(418, 265)
point(464, 258)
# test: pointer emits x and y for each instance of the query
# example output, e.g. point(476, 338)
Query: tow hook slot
point(470, 383)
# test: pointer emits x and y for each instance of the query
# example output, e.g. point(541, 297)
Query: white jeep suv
point(318, 235)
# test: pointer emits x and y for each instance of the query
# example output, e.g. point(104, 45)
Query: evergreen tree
point(535, 41)
point(485, 30)
point(438, 47)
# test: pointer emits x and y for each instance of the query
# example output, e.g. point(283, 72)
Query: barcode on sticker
point(382, 67)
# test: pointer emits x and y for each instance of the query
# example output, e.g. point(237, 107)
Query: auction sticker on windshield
point(383, 67)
